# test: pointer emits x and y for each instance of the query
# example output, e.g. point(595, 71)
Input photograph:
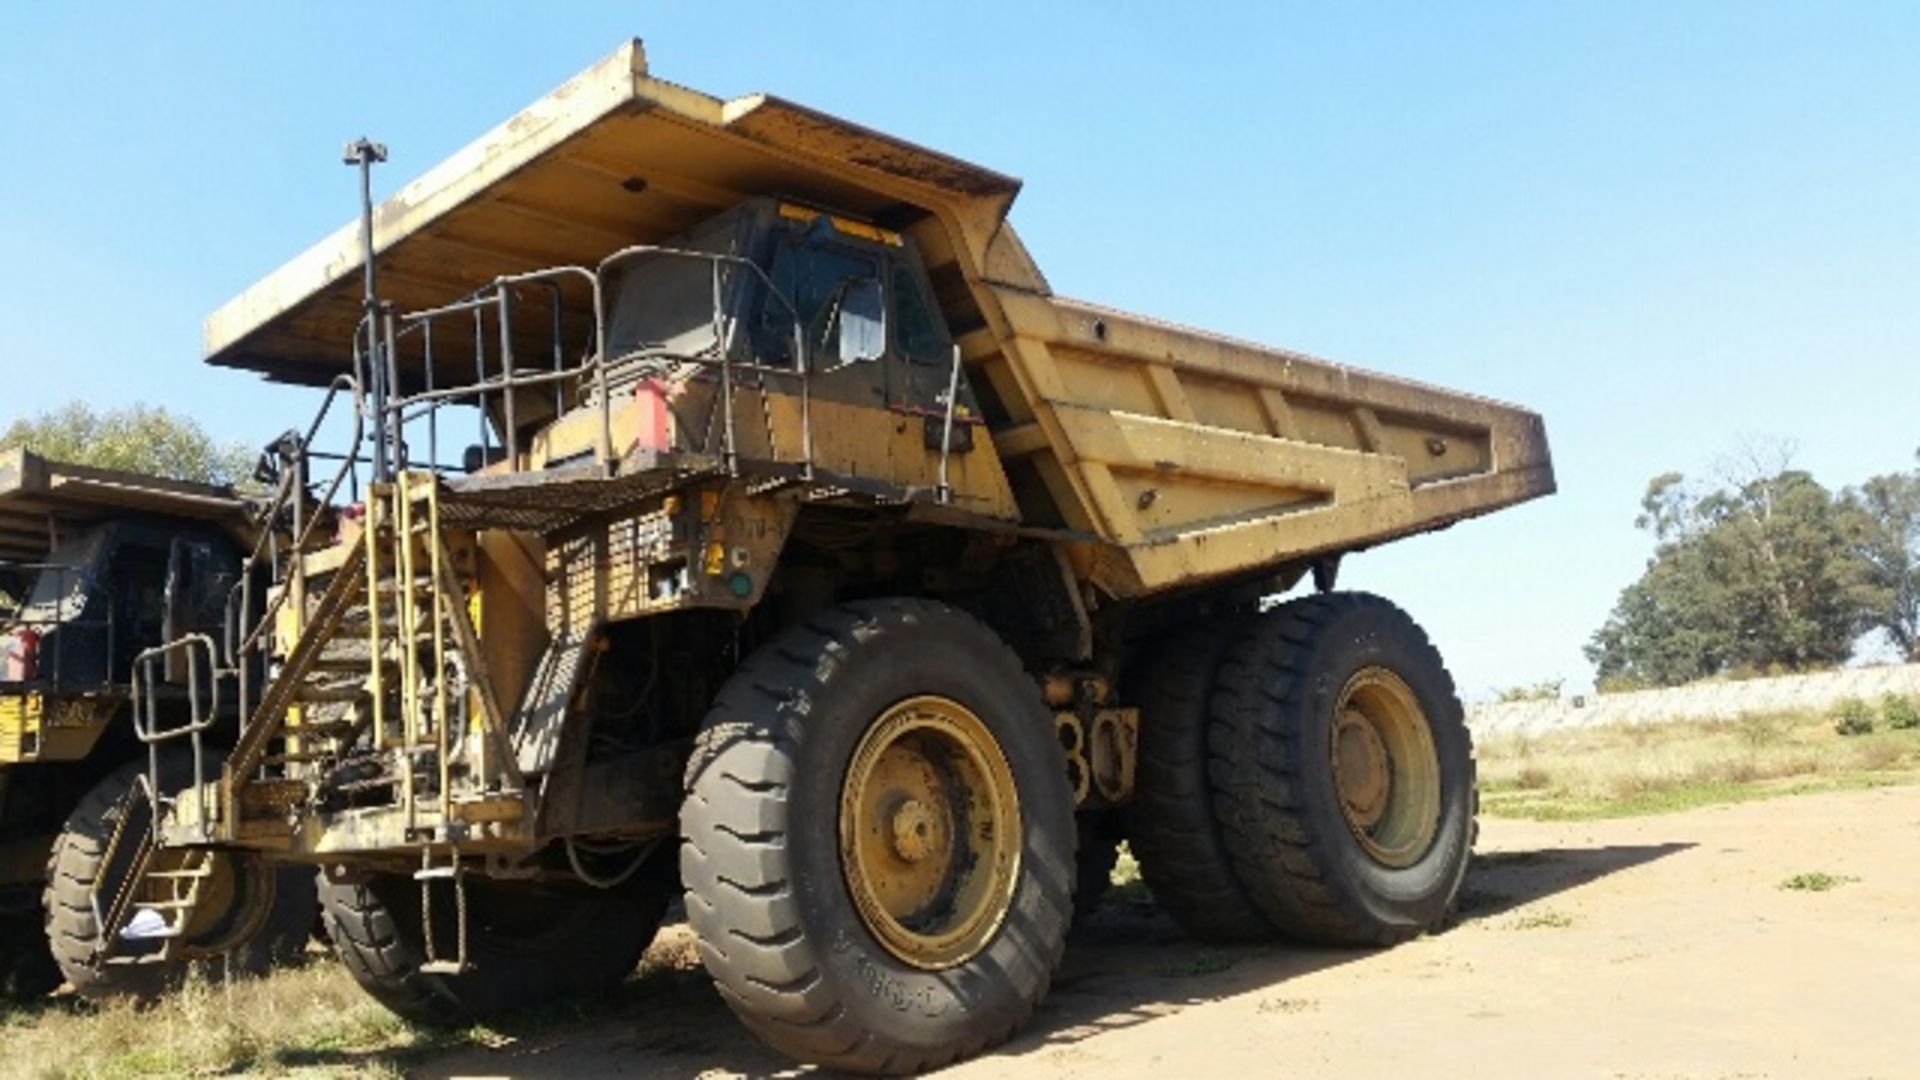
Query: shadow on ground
point(1126, 965)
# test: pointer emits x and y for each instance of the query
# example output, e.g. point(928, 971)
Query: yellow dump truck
point(97, 566)
point(745, 516)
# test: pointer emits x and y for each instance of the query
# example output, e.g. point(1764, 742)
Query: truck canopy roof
point(38, 496)
point(610, 159)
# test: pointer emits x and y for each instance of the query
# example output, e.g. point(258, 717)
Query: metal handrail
point(292, 489)
point(203, 711)
point(595, 365)
point(90, 589)
point(495, 296)
point(802, 366)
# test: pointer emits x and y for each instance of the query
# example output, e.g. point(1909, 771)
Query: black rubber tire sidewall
point(966, 1002)
point(1171, 817)
point(590, 940)
point(1350, 898)
point(766, 892)
point(279, 937)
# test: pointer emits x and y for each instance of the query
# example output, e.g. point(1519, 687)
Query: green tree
point(137, 438)
point(1755, 574)
point(1889, 546)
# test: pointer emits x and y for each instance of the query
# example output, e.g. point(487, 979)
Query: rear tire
point(75, 864)
point(1343, 770)
point(527, 942)
point(1175, 837)
point(807, 968)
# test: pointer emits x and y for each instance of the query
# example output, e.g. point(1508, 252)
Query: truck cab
point(106, 592)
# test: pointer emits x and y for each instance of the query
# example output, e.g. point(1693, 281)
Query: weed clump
point(1816, 881)
point(1900, 712)
point(1853, 716)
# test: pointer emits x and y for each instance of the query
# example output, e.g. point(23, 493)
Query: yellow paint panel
point(19, 727)
point(842, 224)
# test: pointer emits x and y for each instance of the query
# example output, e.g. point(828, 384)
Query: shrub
point(1853, 717)
point(1533, 778)
point(1899, 711)
point(1759, 729)
point(1548, 690)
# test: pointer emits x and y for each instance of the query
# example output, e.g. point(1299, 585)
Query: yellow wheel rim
point(1385, 771)
point(930, 832)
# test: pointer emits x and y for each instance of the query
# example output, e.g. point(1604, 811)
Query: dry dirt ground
point(1665, 946)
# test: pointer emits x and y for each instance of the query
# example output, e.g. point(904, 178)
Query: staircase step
point(444, 967)
point(329, 695)
point(437, 873)
point(374, 783)
point(351, 665)
point(322, 729)
point(295, 759)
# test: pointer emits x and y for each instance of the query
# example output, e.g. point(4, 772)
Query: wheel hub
point(1360, 762)
point(1386, 772)
point(930, 832)
point(916, 832)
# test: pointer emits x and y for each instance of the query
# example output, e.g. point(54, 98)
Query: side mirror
point(862, 330)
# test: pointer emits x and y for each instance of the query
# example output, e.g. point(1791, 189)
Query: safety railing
point(199, 658)
point(720, 354)
point(573, 376)
point(278, 551)
point(51, 631)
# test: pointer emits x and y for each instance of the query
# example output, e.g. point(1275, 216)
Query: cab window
point(815, 278)
point(917, 333)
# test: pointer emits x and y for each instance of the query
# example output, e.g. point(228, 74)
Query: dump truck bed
point(39, 496)
point(1192, 456)
point(1201, 456)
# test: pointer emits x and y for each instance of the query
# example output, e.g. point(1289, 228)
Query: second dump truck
point(746, 517)
point(97, 566)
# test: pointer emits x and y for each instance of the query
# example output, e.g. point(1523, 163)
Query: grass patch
point(1542, 920)
point(1816, 881)
point(1128, 888)
point(309, 1021)
point(1626, 770)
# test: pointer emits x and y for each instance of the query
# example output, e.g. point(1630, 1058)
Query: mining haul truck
point(746, 517)
point(96, 567)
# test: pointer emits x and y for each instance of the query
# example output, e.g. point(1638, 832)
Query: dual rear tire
point(1306, 774)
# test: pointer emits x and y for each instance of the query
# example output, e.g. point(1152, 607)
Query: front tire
point(1343, 771)
point(281, 899)
point(879, 840)
point(527, 942)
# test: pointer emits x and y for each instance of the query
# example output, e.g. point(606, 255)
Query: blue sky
point(1672, 228)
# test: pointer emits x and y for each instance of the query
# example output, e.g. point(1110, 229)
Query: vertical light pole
point(365, 153)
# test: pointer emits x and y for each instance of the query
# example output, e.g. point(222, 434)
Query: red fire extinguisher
point(21, 662)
